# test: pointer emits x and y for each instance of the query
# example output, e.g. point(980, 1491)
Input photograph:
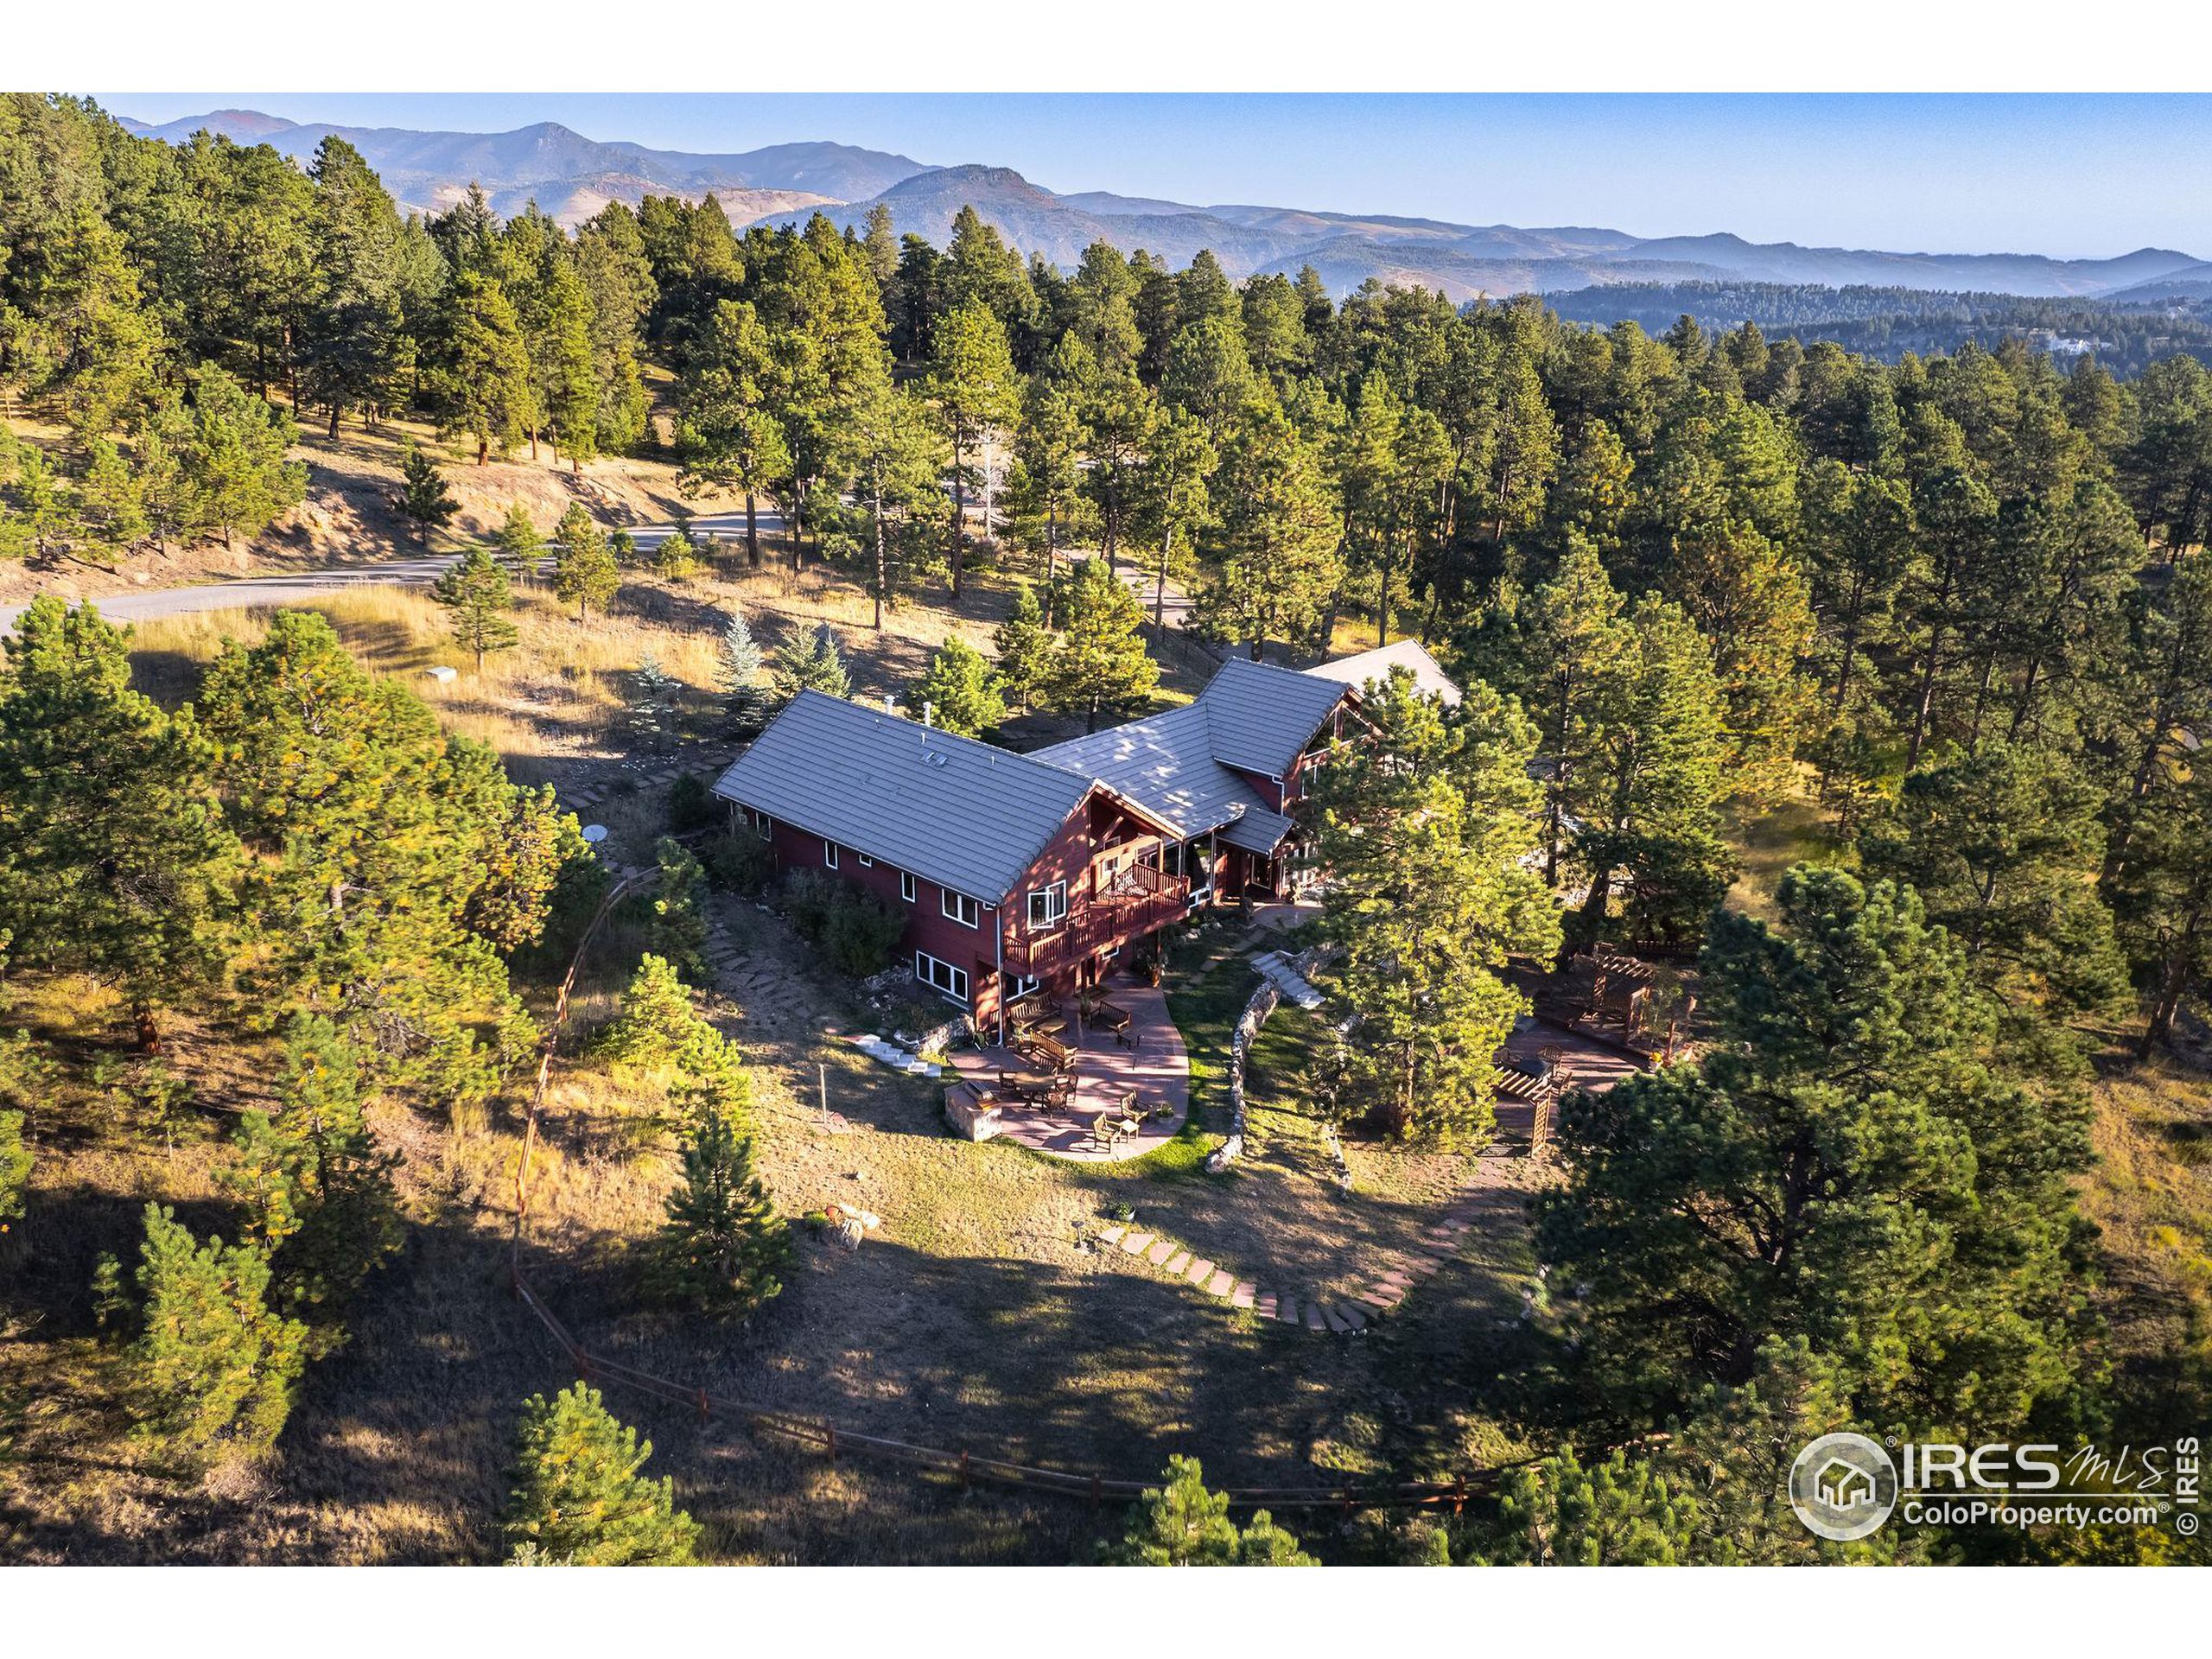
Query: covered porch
point(1115, 1073)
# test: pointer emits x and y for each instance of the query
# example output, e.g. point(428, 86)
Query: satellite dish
point(594, 833)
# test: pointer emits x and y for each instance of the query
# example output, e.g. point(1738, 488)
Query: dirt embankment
point(350, 513)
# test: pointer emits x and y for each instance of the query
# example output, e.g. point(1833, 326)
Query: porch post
point(998, 952)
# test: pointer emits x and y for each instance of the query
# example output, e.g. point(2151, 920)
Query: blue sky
point(2068, 176)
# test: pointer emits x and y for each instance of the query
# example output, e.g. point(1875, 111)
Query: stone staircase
point(1281, 972)
point(898, 1059)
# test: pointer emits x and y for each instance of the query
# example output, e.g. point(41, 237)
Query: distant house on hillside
point(1023, 871)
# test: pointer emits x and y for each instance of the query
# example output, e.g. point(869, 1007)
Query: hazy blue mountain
point(1459, 260)
point(571, 177)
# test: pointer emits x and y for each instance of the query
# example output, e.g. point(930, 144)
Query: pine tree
point(423, 496)
point(487, 381)
point(1172, 498)
point(679, 931)
point(1428, 831)
point(653, 693)
point(394, 864)
point(15, 1170)
point(895, 460)
point(960, 691)
point(1849, 1162)
point(1619, 1513)
point(115, 859)
point(723, 1244)
point(578, 1498)
point(677, 558)
point(659, 1016)
point(2003, 846)
point(811, 662)
point(1100, 662)
point(236, 457)
point(1024, 649)
point(477, 599)
point(1276, 570)
point(584, 571)
point(520, 546)
point(211, 1369)
point(728, 433)
point(319, 1188)
point(739, 662)
point(976, 391)
point(1181, 1523)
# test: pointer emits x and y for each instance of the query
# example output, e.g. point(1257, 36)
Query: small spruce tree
point(811, 662)
point(578, 1496)
point(652, 704)
point(477, 598)
point(738, 663)
point(722, 1245)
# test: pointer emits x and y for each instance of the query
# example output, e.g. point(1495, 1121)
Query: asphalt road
point(303, 588)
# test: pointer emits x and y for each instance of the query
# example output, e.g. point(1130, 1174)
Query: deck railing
point(1139, 900)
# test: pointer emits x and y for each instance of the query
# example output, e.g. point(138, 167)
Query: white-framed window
point(907, 885)
point(763, 824)
point(1048, 906)
point(941, 977)
point(1021, 985)
point(962, 909)
point(867, 863)
point(829, 854)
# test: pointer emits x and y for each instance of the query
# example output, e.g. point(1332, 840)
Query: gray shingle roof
point(955, 811)
point(1260, 717)
point(1356, 672)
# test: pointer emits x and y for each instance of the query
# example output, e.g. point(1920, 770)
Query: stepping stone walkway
point(1394, 1275)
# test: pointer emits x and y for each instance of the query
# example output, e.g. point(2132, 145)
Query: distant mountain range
point(570, 177)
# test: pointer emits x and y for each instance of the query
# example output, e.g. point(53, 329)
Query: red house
point(1021, 870)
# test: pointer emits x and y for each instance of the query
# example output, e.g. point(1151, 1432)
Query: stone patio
point(1152, 1062)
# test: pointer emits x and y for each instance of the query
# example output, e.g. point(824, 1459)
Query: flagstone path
point(1388, 1276)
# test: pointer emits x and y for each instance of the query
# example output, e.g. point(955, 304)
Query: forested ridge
point(1958, 603)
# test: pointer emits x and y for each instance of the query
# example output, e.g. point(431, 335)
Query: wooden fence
point(964, 1465)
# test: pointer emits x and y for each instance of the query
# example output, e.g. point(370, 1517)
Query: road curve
point(305, 587)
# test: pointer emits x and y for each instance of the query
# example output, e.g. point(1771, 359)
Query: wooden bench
point(1047, 1051)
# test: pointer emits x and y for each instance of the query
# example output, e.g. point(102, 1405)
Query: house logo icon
point(1843, 1486)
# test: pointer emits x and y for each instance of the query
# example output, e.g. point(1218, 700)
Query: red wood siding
point(1098, 836)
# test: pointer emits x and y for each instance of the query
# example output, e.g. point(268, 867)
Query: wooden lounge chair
point(1107, 1017)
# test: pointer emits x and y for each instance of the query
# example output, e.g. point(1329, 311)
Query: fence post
point(966, 1483)
point(1097, 1490)
point(1459, 1494)
point(704, 1414)
point(833, 1442)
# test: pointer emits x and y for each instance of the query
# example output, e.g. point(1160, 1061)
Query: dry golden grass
point(2151, 1197)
